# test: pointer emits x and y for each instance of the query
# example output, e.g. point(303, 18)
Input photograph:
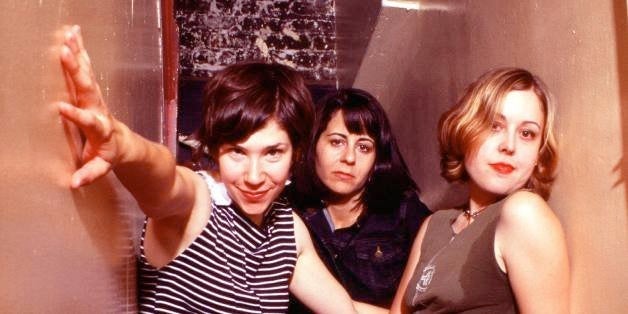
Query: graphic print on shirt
point(424, 281)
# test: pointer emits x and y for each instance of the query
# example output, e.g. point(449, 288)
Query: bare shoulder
point(526, 219)
point(202, 199)
point(301, 234)
point(530, 247)
point(525, 208)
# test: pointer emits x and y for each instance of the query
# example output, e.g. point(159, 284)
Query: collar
point(217, 190)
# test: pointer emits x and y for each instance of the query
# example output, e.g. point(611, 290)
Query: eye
point(528, 134)
point(496, 126)
point(235, 153)
point(274, 154)
point(336, 142)
point(365, 148)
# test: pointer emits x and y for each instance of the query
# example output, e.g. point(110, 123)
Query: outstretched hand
point(87, 111)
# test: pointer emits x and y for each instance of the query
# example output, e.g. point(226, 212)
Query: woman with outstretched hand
point(241, 253)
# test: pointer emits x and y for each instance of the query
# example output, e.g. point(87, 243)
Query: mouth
point(502, 168)
point(254, 196)
point(343, 175)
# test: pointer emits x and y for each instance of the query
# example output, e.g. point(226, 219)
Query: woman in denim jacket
point(357, 197)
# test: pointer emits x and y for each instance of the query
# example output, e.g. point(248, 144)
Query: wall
point(65, 251)
point(218, 33)
point(355, 23)
point(418, 62)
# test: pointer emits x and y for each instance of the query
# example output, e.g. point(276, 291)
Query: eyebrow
point(501, 117)
point(272, 146)
point(360, 138)
point(337, 134)
point(276, 146)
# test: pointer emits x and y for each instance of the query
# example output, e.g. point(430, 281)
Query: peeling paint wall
point(296, 33)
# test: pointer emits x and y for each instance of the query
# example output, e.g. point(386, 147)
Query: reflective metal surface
point(417, 64)
point(64, 251)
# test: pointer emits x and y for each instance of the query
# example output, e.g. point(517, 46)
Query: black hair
point(389, 179)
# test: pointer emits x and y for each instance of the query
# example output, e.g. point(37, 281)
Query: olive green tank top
point(458, 272)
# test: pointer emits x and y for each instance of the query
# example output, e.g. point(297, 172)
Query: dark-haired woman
point(200, 253)
point(357, 197)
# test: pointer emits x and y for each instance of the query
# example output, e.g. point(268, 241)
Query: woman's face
point(344, 160)
point(506, 158)
point(255, 170)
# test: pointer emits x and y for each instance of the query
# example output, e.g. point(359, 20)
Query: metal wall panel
point(65, 251)
point(418, 62)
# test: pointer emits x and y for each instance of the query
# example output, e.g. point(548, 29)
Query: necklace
point(470, 215)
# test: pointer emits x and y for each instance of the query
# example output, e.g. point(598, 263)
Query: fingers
point(90, 171)
point(78, 70)
point(95, 126)
point(88, 110)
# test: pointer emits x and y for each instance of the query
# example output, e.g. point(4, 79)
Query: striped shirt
point(233, 266)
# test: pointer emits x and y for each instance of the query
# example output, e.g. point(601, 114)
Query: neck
point(479, 199)
point(345, 213)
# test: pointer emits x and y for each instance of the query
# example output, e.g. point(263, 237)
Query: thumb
point(89, 172)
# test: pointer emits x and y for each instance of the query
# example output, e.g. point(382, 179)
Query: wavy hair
point(463, 127)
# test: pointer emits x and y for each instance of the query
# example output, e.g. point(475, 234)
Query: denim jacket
point(368, 258)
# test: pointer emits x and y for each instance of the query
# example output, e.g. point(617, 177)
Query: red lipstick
point(503, 168)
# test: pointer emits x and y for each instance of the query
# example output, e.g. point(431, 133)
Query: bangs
point(359, 120)
point(240, 119)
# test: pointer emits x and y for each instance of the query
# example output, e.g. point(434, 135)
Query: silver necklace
point(470, 215)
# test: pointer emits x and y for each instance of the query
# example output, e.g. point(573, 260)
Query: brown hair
point(242, 98)
point(463, 127)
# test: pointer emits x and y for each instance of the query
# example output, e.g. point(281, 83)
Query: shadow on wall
point(621, 35)
point(355, 22)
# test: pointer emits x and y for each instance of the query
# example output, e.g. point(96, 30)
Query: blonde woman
point(504, 251)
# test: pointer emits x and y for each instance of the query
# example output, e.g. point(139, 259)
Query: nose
point(348, 155)
point(507, 144)
point(255, 173)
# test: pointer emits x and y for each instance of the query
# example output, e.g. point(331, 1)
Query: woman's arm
point(530, 246)
point(146, 169)
point(398, 305)
point(312, 283)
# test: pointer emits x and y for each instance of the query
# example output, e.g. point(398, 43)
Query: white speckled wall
point(417, 63)
point(64, 251)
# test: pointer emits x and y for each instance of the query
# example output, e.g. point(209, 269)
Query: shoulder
point(301, 234)
point(526, 209)
point(527, 221)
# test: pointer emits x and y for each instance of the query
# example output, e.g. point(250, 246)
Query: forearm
point(364, 308)
point(148, 170)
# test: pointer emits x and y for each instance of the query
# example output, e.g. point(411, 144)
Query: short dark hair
point(242, 98)
point(389, 179)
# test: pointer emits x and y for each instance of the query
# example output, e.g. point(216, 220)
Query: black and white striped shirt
point(232, 267)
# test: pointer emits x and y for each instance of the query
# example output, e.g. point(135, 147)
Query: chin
point(254, 209)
